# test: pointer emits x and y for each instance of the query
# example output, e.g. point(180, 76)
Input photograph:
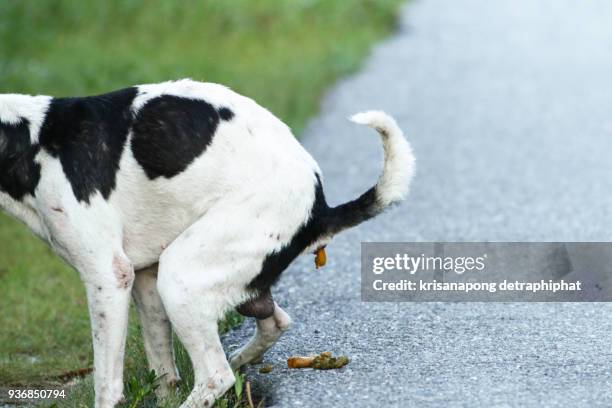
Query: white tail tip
point(375, 119)
point(399, 165)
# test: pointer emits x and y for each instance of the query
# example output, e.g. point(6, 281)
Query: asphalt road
point(508, 105)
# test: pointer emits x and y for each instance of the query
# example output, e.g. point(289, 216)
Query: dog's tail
point(324, 222)
point(393, 184)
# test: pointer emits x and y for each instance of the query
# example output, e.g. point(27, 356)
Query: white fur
point(399, 166)
point(13, 107)
point(209, 228)
point(23, 211)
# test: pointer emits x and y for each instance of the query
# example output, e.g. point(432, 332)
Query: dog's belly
point(145, 242)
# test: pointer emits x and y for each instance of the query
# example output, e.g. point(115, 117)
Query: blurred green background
point(281, 53)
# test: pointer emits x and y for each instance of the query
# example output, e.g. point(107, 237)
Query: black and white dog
point(187, 195)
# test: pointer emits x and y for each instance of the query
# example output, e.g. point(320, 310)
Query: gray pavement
point(508, 105)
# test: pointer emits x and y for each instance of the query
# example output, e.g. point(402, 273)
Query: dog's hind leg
point(201, 276)
point(204, 273)
point(156, 330)
point(272, 321)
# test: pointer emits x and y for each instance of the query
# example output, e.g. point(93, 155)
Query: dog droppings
point(320, 257)
point(324, 361)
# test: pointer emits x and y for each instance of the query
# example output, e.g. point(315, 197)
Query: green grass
point(140, 384)
point(281, 53)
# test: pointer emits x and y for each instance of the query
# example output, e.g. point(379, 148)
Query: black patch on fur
point(276, 262)
point(260, 307)
point(226, 114)
point(88, 135)
point(19, 174)
point(170, 132)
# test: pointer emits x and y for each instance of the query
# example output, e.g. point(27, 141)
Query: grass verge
point(281, 53)
point(140, 383)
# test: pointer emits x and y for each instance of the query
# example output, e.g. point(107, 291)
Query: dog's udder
point(124, 272)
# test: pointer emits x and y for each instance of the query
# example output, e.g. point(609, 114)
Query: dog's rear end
point(321, 222)
point(325, 222)
point(392, 186)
